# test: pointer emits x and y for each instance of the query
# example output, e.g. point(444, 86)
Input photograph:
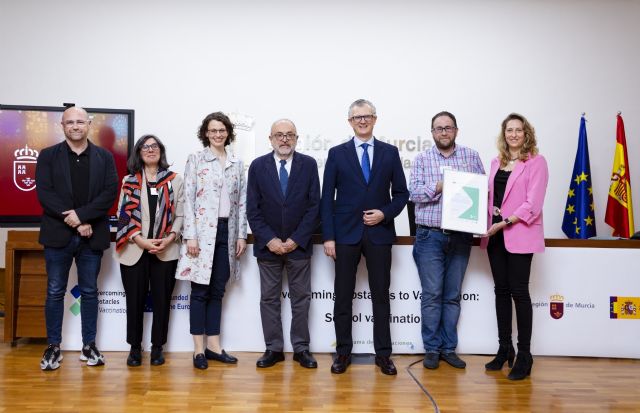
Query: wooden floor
point(557, 384)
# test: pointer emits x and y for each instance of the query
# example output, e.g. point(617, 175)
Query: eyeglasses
point(217, 131)
point(284, 136)
point(447, 129)
point(75, 122)
point(366, 118)
point(149, 148)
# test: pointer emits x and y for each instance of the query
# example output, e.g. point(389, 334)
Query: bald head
point(75, 124)
point(75, 110)
point(283, 121)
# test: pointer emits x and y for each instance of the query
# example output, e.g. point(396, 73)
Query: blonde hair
point(529, 148)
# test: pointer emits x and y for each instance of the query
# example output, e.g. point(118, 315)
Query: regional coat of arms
point(24, 168)
point(556, 306)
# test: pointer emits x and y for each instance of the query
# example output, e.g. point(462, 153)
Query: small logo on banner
point(556, 306)
point(75, 307)
point(24, 168)
point(624, 307)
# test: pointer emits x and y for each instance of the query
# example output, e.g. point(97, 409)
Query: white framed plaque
point(464, 201)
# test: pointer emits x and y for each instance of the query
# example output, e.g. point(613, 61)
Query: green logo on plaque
point(471, 213)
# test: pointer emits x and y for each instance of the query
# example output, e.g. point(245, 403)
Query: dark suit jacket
point(274, 215)
point(53, 185)
point(343, 181)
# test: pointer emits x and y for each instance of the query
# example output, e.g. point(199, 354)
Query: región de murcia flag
point(619, 206)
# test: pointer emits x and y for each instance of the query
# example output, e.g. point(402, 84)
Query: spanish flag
point(619, 206)
point(624, 307)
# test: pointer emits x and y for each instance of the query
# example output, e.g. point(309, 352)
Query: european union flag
point(579, 213)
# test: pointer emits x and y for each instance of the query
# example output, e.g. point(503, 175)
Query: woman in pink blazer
point(517, 185)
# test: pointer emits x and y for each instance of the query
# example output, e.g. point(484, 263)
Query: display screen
point(26, 130)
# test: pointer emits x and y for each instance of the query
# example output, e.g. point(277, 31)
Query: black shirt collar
point(87, 151)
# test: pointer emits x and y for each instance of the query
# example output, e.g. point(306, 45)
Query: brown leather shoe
point(386, 365)
point(341, 363)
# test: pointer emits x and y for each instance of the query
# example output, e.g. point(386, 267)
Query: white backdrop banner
point(571, 292)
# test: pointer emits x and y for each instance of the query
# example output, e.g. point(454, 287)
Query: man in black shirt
point(77, 184)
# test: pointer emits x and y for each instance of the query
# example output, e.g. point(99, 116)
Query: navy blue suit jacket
point(344, 182)
point(274, 215)
point(53, 185)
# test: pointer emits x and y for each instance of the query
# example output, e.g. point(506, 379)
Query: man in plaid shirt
point(440, 255)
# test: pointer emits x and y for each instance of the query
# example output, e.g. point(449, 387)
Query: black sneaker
point(51, 358)
point(91, 355)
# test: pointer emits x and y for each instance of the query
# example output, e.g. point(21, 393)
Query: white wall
point(174, 62)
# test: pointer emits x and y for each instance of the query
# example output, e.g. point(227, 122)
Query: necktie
point(284, 177)
point(366, 166)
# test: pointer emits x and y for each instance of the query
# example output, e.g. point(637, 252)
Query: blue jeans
point(58, 262)
point(442, 261)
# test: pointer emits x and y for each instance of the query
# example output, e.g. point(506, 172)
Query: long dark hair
point(135, 163)
point(220, 117)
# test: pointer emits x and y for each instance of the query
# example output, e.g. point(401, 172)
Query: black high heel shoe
point(522, 366)
point(505, 353)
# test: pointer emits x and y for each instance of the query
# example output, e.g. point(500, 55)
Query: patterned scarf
point(129, 210)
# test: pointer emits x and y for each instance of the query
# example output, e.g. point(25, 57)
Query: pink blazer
point(524, 198)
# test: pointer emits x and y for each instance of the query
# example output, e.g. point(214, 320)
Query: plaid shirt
point(428, 168)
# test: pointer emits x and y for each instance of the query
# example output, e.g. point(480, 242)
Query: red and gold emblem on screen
point(556, 306)
point(24, 168)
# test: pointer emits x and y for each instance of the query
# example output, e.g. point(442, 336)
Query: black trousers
point(136, 279)
point(205, 311)
point(378, 260)
point(511, 274)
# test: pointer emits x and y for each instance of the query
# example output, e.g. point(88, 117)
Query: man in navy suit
point(77, 184)
point(364, 189)
point(283, 196)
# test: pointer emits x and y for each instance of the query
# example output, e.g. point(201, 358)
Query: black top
point(499, 185)
point(153, 202)
point(79, 170)
point(54, 191)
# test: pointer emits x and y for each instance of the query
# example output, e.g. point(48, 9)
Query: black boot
point(505, 353)
point(522, 366)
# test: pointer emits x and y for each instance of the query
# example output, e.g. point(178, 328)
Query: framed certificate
point(464, 201)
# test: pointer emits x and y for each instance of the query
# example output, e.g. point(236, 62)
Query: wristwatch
point(508, 222)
